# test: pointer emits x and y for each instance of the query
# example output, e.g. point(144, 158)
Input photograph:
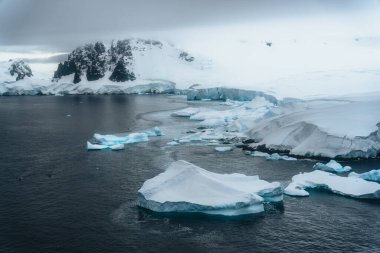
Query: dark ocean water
point(57, 197)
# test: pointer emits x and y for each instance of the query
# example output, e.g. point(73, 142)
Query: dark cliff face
point(94, 60)
point(20, 69)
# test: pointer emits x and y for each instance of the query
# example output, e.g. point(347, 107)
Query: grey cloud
point(63, 24)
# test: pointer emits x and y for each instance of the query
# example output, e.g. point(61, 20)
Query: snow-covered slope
point(323, 128)
point(154, 66)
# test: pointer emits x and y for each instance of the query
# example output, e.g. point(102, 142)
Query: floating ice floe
point(126, 139)
point(116, 142)
point(223, 149)
point(294, 189)
point(259, 154)
point(91, 146)
point(185, 187)
point(276, 157)
point(332, 166)
point(155, 131)
point(373, 175)
point(172, 143)
point(187, 112)
point(347, 186)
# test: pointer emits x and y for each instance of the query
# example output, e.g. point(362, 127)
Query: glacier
point(346, 186)
point(332, 166)
point(185, 187)
point(373, 175)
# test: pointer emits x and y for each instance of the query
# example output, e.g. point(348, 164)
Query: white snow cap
point(185, 187)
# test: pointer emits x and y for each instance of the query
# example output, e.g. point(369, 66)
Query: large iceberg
point(373, 175)
point(332, 166)
point(326, 128)
point(347, 186)
point(185, 187)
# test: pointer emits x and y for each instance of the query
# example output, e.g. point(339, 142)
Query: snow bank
point(185, 187)
point(373, 175)
point(221, 93)
point(347, 186)
point(325, 128)
point(332, 166)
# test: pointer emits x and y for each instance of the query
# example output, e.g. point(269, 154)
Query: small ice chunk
point(155, 131)
point(91, 146)
point(185, 187)
point(247, 152)
point(172, 143)
point(276, 157)
point(223, 149)
point(347, 186)
point(259, 154)
point(332, 166)
point(294, 189)
point(373, 175)
point(187, 112)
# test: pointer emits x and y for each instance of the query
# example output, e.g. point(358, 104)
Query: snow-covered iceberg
point(347, 186)
point(185, 187)
point(116, 142)
point(109, 139)
point(373, 175)
point(332, 166)
point(327, 128)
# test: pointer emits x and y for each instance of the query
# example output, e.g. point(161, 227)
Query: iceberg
point(294, 189)
point(110, 139)
point(172, 143)
point(332, 166)
point(276, 157)
point(259, 154)
point(127, 139)
point(185, 187)
point(155, 131)
point(91, 146)
point(373, 175)
point(223, 149)
point(346, 186)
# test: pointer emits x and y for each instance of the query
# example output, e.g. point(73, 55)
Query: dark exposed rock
point(92, 60)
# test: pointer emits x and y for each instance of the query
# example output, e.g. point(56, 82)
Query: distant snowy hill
point(126, 66)
point(309, 68)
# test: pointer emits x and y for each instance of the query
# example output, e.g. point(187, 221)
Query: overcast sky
point(62, 25)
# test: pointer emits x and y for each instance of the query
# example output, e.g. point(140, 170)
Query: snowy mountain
point(125, 66)
point(128, 60)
